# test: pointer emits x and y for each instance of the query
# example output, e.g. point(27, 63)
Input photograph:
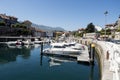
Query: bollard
point(92, 53)
point(42, 48)
point(89, 47)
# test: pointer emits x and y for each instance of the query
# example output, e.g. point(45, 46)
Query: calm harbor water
point(27, 64)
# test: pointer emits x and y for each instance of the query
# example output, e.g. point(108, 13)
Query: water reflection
point(28, 63)
point(55, 60)
point(91, 72)
point(10, 54)
point(58, 60)
point(41, 60)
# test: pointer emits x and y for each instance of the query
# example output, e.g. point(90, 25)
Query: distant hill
point(47, 28)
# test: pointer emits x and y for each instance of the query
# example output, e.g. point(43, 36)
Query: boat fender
point(83, 47)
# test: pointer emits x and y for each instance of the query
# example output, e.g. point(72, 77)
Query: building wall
point(8, 19)
point(90, 35)
point(49, 34)
point(37, 34)
point(117, 35)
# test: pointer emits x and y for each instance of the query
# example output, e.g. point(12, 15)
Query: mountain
point(47, 28)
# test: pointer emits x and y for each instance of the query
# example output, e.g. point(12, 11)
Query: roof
point(110, 25)
point(4, 16)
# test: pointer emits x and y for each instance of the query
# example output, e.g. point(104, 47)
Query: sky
point(68, 14)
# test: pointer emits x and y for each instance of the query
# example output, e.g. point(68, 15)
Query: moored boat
point(63, 48)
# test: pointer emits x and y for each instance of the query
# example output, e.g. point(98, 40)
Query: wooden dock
point(84, 57)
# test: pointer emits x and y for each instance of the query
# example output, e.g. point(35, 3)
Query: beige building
point(117, 36)
point(114, 28)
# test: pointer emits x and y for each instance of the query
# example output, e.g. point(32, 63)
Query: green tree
point(77, 34)
point(27, 23)
point(102, 32)
point(19, 25)
point(2, 23)
point(118, 29)
point(108, 31)
point(90, 28)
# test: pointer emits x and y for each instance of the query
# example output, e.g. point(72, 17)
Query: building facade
point(8, 19)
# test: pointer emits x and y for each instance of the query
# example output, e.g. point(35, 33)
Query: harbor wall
point(99, 53)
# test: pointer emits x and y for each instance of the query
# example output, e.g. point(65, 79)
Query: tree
point(118, 30)
point(73, 33)
point(108, 31)
point(19, 25)
point(27, 23)
point(90, 28)
point(2, 23)
point(102, 32)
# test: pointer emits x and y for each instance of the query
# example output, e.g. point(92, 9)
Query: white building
point(90, 35)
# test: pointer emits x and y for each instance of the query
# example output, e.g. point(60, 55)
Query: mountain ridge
point(47, 28)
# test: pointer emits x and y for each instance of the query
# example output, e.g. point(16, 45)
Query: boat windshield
point(59, 46)
point(72, 44)
point(69, 45)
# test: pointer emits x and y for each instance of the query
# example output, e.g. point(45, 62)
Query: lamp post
point(119, 26)
point(105, 21)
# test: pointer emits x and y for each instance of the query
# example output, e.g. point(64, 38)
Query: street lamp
point(119, 26)
point(105, 21)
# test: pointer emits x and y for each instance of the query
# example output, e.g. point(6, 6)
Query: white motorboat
point(18, 42)
point(11, 43)
point(78, 46)
point(37, 41)
point(14, 44)
point(28, 42)
point(58, 48)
